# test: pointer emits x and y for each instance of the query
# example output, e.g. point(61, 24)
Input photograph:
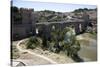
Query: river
point(88, 50)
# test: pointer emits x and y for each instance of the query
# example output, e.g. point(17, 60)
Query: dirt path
point(30, 52)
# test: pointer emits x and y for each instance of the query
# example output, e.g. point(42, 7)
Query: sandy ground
point(60, 58)
point(30, 59)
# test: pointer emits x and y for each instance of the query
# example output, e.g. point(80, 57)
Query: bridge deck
point(68, 21)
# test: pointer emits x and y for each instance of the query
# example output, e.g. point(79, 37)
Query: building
point(23, 23)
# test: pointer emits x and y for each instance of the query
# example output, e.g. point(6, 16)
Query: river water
point(88, 50)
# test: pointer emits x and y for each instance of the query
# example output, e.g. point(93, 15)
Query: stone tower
point(86, 21)
point(26, 26)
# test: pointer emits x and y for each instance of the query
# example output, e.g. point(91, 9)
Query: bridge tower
point(86, 21)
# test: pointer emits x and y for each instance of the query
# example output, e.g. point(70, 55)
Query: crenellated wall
point(25, 26)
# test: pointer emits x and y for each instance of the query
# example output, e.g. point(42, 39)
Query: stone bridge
point(30, 28)
point(46, 27)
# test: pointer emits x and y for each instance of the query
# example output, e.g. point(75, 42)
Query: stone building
point(22, 23)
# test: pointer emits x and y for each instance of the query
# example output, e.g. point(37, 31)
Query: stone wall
point(47, 28)
point(24, 27)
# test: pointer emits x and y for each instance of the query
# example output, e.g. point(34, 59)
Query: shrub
point(32, 43)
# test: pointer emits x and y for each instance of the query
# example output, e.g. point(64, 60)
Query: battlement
point(24, 10)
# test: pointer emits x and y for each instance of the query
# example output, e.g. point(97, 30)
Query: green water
point(88, 50)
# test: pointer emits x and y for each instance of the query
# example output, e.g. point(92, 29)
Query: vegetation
point(84, 9)
point(32, 43)
point(66, 41)
point(14, 53)
point(49, 11)
point(92, 32)
point(61, 40)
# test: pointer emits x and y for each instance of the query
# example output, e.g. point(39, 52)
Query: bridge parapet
point(61, 22)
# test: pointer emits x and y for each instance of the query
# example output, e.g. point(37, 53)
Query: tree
point(71, 45)
point(32, 43)
point(81, 10)
point(86, 9)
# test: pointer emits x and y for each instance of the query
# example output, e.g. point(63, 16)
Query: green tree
point(71, 45)
point(32, 43)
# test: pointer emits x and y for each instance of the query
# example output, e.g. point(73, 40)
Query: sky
point(58, 7)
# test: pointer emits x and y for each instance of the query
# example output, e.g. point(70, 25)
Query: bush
point(32, 43)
